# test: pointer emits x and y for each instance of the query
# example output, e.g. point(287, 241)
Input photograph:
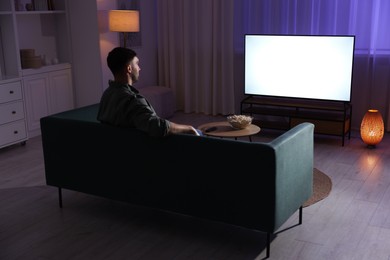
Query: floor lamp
point(123, 21)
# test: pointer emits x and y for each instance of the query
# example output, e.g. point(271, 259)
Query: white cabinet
point(47, 91)
point(60, 91)
point(12, 116)
point(36, 87)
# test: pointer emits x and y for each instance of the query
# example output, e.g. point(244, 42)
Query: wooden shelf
point(329, 117)
point(40, 12)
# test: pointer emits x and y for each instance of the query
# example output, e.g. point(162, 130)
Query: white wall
point(85, 49)
point(108, 40)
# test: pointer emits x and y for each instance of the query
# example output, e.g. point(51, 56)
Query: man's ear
point(129, 68)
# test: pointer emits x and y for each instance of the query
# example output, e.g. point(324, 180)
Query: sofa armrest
point(294, 170)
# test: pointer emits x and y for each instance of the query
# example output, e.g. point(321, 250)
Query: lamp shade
point(123, 20)
point(372, 127)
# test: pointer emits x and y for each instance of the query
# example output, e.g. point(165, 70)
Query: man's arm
point(175, 128)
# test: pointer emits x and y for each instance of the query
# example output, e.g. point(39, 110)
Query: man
point(122, 105)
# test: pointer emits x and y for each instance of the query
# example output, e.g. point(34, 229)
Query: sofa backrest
point(219, 179)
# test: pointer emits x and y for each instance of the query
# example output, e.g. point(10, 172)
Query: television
point(299, 66)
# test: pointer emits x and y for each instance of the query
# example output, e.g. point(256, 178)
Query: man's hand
point(182, 129)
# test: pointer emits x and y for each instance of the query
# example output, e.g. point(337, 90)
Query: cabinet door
point(37, 106)
point(60, 91)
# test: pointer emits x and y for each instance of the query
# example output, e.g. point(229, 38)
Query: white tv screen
point(299, 66)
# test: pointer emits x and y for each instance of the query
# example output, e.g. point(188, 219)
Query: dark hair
point(118, 58)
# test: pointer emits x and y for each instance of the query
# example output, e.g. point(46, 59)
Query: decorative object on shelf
point(123, 21)
point(50, 5)
point(41, 5)
point(29, 59)
point(18, 6)
point(29, 7)
point(372, 128)
point(44, 60)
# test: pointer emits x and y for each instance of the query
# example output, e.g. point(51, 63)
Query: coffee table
point(224, 129)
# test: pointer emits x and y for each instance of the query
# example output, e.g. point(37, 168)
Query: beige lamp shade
point(123, 20)
point(372, 127)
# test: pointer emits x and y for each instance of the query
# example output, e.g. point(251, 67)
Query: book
point(40, 5)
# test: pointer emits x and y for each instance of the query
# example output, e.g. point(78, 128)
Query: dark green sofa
point(249, 184)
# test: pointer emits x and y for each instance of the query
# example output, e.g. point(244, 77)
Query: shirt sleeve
point(142, 115)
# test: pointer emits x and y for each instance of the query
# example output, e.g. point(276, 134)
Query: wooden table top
point(224, 129)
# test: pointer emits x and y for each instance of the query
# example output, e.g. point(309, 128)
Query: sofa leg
point(268, 244)
point(300, 214)
point(60, 196)
point(269, 233)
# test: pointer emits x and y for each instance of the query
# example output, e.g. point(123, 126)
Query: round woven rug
point(322, 185)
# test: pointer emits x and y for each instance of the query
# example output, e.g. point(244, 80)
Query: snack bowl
point(239, 121)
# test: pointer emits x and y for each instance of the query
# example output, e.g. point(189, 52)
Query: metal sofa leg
point(60, 196)
point(269, 233)
point(268, 244)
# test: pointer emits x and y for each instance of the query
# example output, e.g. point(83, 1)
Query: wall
point(85, 49)
point(369, 88)
point(107, 40)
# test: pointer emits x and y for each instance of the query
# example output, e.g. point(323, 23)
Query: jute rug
point(322, 185)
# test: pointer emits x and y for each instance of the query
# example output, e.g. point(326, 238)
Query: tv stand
point(329, 117)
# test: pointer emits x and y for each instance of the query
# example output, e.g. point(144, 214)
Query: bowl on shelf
point(239, 121)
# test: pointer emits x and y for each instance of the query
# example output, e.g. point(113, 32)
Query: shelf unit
point(329, 117)
point(47, 32)
point(44, 31)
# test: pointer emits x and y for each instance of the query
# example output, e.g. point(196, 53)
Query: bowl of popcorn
point(239, 121)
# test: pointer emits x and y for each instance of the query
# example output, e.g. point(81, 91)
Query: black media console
point(329, 117)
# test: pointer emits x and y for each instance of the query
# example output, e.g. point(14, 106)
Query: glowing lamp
point(372, 128)
point(123, 21)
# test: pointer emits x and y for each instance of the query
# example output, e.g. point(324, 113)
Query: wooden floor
point(352, 223)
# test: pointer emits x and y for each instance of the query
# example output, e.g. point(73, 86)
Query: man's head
point(122, 61)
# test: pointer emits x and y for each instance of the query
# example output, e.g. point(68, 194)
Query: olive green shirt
point(122, 105)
